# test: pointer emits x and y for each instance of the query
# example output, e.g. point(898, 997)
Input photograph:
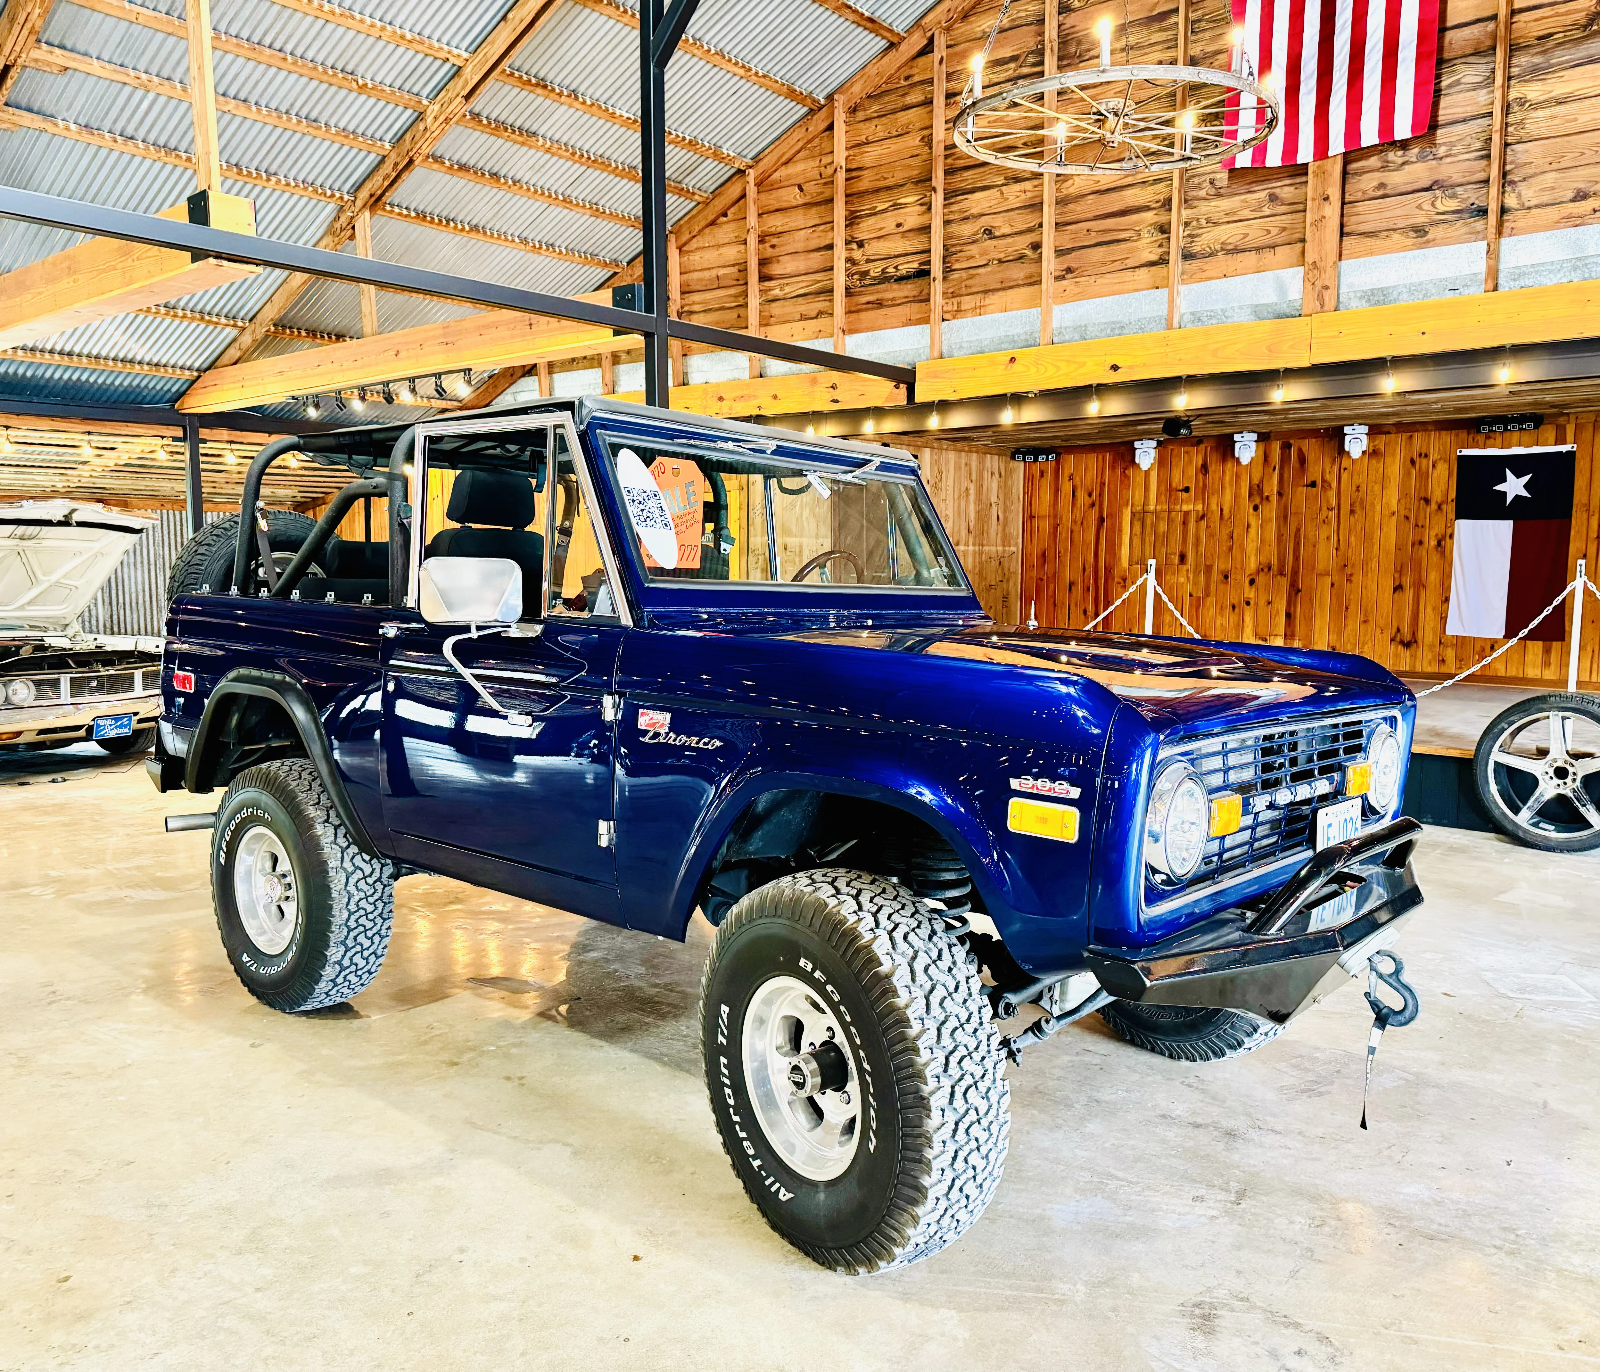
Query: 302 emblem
point(1043, 786)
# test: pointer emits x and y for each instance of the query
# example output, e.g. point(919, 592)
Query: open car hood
point(54, 556)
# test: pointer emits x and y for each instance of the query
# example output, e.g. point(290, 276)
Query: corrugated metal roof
point(585, 51)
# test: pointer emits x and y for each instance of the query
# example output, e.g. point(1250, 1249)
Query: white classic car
point(59, 685)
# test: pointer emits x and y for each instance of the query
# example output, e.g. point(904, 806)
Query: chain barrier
point(1509, 643)
point(1193, 632)
point(1103, 613)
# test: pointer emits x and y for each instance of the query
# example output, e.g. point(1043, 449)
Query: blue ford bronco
point(637, 665)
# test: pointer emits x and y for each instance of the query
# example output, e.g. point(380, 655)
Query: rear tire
point(304, 914)
point(205, 563)
point(903, 1151)
point(139, 741)
point(1188, 1033)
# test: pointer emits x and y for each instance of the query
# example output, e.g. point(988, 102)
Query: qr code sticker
point(645, 512)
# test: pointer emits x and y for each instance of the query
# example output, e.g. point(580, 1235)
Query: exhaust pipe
point(181, 824)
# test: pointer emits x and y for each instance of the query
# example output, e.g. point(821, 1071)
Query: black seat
point(354, 570)
point(495, 509)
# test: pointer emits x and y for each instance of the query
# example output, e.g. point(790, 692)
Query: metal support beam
point(104, 222)
point(653, 172)
point(668, 29)
point(194, 497)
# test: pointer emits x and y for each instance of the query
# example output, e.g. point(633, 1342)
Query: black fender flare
point(302, 712)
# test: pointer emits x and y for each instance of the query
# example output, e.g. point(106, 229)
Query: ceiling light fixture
point(1505, 369)
point(1006, 416)
point(1277, 391)
point(1094, 400)
point(1181, 400)
point(1389, 382)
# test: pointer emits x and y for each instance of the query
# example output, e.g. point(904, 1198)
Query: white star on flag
point(1514, 486)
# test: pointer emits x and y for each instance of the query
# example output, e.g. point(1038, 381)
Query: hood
point(1171, 682)
point(54, 556)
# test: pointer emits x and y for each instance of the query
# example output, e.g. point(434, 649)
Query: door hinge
point(607, 835)
point(610, 707)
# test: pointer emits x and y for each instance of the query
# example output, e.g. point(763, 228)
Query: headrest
point(500, 500)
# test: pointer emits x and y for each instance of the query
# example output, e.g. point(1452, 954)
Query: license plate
point(113, 726)
point(1336, 823)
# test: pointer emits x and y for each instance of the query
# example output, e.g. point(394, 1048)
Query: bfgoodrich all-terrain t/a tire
point(304, 914)
point(1188, 1033)
point(843, 985)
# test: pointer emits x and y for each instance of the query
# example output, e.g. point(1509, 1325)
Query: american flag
point(1350, 73)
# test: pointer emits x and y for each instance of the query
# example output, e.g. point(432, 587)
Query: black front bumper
point(1274, 960)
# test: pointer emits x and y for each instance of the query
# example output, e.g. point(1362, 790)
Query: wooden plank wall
point(1112, 233)
point(1304, 547)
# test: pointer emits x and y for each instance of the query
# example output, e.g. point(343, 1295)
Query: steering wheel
point(820, 558)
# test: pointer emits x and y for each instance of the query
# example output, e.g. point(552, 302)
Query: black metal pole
point(653, 191)
point(194, 496)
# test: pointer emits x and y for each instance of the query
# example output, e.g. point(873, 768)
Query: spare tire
point(205, 563)
point(1537, 766)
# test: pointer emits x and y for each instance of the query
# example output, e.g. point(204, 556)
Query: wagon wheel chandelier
point(1098, 121)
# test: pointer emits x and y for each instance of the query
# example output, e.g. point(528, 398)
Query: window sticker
point(682, 486)
point(652, 521)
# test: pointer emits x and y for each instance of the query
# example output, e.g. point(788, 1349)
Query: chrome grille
point(1282, 774)
point(99, 685)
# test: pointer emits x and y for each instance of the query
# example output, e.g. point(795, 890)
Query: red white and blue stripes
point(1350, 73)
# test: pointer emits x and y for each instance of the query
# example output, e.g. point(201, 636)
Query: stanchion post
point(1150, 596)
point(1577, 626)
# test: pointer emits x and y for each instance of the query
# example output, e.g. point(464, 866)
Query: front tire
point(901, 1143)
point(304, 914)
point(1188, 1033)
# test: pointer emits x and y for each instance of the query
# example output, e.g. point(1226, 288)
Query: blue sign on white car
point(113, 726)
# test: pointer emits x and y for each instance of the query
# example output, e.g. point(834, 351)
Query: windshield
point(739, 517)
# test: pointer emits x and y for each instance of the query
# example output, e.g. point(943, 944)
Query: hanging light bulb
point(933, 419)
point(293, 460)
point(1389, 382)
point(5, 442)
point(231, 458)
point(1505, 370)
point(1094, 400)
point(1006, 415)
point(1181, 400)
point(811, 425)
point(1277, 391)
point(868, 426)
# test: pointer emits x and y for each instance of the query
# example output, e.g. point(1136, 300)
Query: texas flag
point(1513, 522)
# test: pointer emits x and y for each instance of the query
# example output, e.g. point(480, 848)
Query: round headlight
point(20, 692)
point(1384, 754)
point(1177, 822)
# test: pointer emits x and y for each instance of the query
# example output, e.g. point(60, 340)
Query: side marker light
point(1042, 819)
point(1227, 814)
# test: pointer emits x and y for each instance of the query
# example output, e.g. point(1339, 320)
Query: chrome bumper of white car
point(58, 723)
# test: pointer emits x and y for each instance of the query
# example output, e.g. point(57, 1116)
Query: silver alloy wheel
point(264, 890)
point(784, 1025)
point(1538, 768)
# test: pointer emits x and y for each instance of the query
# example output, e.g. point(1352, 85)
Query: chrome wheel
point(801, 1076)
point(1543, 775)
point(264, 890)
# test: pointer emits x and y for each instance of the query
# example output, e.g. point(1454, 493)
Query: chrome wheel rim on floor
point(1544, 774)
point(264, 891)
point(801, 1076)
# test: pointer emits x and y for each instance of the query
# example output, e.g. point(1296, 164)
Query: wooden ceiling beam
point(1535, 314)
point(802, 393)
point(859, 17)
point(519, 24)
point(494, 339)
point(101, 364)
point(159, 22)
point(408, 39)
point(715, 56)
point(100, 278)
point(537, 142)
point(573, 100)
point(21, 22)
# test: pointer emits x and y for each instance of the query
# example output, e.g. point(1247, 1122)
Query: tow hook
point(1384, 1015)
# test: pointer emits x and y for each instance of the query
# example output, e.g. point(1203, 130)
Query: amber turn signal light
point(1227, 813)
point(1042, 820)
point(1358, 778)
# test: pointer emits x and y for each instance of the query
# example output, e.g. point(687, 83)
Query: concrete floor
point(501, 1154)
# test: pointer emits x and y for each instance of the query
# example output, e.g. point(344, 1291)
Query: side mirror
point(470, 590)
